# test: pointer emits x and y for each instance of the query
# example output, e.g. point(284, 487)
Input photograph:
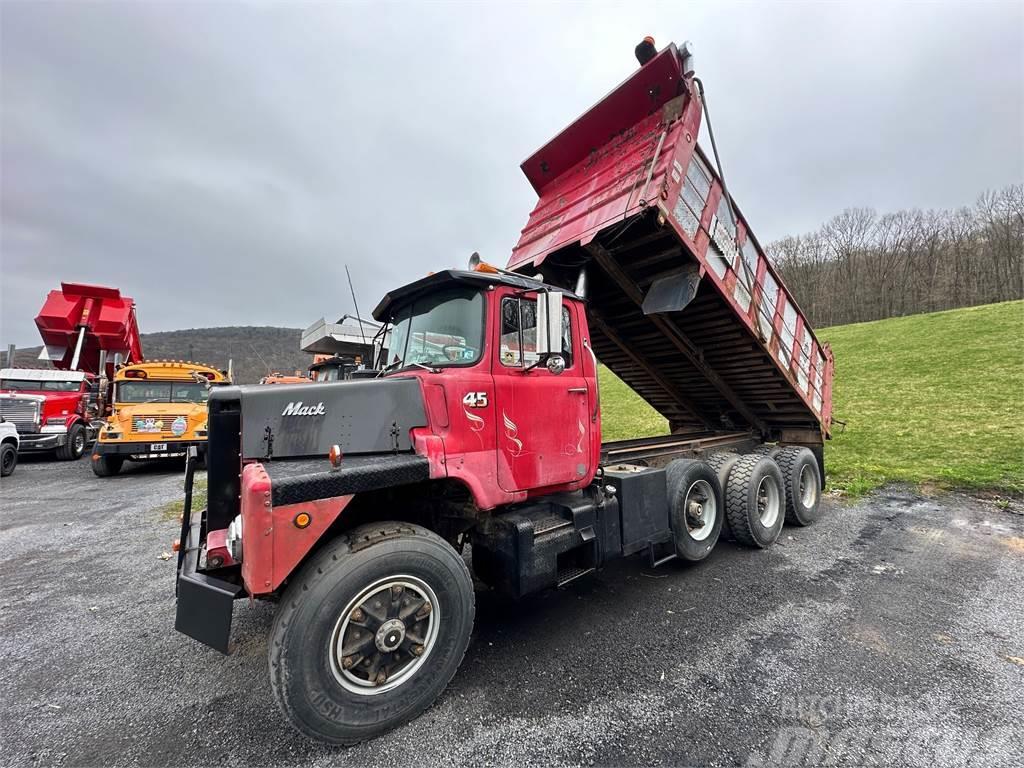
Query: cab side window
point(518, 346)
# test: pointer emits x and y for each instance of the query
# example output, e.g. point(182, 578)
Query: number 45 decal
point(475, 399)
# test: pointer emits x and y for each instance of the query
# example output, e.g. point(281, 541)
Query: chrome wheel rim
point(79, 444)
point(700, 509)
point(768, 498)
point(808, 487)
point(384, 635)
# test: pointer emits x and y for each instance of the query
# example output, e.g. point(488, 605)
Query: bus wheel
point(106, 466)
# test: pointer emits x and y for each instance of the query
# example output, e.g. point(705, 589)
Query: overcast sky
point(222, 162)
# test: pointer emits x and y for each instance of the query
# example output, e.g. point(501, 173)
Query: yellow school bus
point(158, 412)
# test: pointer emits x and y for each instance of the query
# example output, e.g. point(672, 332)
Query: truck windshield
point(439, 329)
point(23, 385)
point(162, 392)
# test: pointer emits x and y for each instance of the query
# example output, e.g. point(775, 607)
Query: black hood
point(293, 420)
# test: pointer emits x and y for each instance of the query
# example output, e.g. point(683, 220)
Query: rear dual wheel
point(755, 501)
point(722, 464)
point(802, 482)
point(370, 632)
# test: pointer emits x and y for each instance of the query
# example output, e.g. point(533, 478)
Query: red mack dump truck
point(85, 330)
point(352, 503)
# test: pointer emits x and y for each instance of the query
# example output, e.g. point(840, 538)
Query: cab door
point(542, 419)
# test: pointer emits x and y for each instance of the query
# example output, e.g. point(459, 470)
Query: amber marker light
point(334, 455)
point(302, 520)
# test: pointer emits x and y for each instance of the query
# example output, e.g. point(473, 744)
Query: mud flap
point(205, 603)
point(205, 607)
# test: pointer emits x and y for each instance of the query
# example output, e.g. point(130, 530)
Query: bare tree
point(861, 266)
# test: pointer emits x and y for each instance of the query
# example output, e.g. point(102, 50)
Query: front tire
point(8, 459)
point(106, 466)
point(73, 449)
point(370, 632)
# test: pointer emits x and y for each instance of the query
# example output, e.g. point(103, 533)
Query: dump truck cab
point(158, 412)
point(53, 410)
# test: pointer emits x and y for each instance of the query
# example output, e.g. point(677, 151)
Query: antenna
point(260, 357)
point(356, 305)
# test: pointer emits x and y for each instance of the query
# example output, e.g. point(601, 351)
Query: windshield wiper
point(407, 365)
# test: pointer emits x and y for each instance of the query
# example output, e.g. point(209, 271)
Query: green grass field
point(932, 399)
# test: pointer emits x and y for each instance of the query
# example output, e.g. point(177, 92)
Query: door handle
point(581, 390)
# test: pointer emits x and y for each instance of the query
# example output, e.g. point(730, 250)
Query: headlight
point(52, 421)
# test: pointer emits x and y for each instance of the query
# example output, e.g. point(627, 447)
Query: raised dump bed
point(85, 327)
point(683, 304)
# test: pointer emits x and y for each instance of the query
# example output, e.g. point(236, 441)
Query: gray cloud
point(222, 162)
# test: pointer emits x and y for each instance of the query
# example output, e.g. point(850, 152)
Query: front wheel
point(106, 465)
point(370, 632)
point(73, 449)
point(8, 459)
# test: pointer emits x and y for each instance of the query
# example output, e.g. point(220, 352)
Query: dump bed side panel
point(646, 211)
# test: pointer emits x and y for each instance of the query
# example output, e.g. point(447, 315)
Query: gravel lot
point(891, 632)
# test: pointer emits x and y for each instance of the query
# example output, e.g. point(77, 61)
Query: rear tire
point(722, 464)
point(107, 466)
point(8, 459)
point(326, 630)
point(802, 481)
point(695, 507)
point(755, 501)
point(73, 449)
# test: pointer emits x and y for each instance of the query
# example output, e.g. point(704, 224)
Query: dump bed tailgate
point(684, 305)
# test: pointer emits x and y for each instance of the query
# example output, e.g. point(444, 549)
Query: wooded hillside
point(863, 266)
point(252, 350)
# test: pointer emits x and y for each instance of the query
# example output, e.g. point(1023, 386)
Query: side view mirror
point(549, 323)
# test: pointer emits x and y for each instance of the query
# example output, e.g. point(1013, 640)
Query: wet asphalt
point(891, 632)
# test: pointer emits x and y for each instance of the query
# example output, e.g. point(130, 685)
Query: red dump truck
point(85, 330)
point(362, 505)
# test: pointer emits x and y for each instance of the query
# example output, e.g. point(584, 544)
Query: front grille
point(155, 424)
point(24, 414)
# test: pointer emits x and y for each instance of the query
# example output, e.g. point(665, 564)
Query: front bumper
point(205, 603)
point(171, 448)
point(41, 441)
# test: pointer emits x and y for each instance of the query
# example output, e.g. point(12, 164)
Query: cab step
point(549, 524)
point(570, 574)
